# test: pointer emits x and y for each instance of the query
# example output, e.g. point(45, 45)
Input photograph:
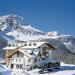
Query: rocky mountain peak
point(10, 21)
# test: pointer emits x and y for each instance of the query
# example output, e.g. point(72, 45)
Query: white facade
point(21, 61)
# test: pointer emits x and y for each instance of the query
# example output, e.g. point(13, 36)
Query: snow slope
point(65, 69)
point(4, 70)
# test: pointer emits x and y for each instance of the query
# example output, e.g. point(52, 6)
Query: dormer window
point(25, 44)
point(21, 46)
point(29, 44)
point(9, 45)
point(34, 44)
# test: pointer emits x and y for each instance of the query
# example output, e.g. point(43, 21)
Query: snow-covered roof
point(9, 48)
point(4, 69)
point(32, 45)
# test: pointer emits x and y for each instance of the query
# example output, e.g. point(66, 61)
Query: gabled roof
point(12, 53)
point(23, 52)
point(38, 44)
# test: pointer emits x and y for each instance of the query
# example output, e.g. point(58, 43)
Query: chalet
point(30, 55)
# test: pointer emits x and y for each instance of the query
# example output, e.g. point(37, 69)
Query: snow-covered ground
point(65, 69)
point(65, 72)
point(4, 70)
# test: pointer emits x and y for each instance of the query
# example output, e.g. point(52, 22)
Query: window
point(35, 60)
point(17, 66)
point(43, 58)
point(16, 60)
point(13, 45)
point(9, 45)
point(12, 66)
point(25, 44)
point(21, 66)
point(29, 44)
point(39, 59)
point(29, 60)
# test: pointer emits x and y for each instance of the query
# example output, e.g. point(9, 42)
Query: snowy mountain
point(68, 41)
point(13, 28)
point(14, 22)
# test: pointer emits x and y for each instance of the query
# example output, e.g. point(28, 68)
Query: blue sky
point(46, 15)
